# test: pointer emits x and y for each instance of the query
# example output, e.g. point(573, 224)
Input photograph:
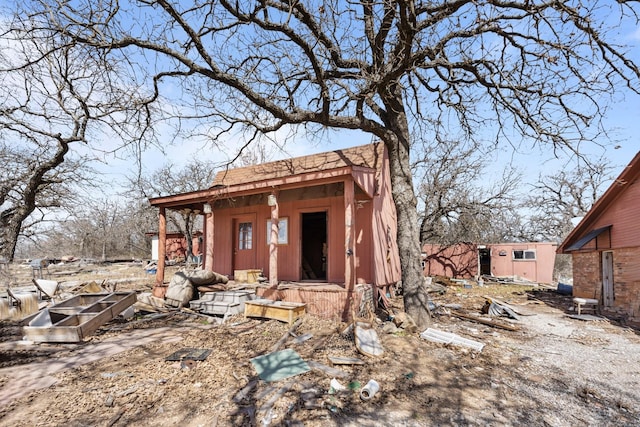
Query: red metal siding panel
point(364, 246)
point(458, 261)
point(623, 214)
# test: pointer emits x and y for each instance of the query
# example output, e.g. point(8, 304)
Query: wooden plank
point(329, 370)
point(277, 310)
point(485, 322)
point(338, 360)
point(282, 340)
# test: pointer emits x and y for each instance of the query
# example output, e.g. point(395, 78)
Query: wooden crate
point(78, 317)
point(246, 276)
point(277, 310)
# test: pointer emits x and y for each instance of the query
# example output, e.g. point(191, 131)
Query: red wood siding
point(289, 255)
point(324, 301)
point(539, 270)
point(622, 213)
point(364, 260)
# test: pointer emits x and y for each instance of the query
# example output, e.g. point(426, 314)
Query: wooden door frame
point(235, 220)
point(301, 212)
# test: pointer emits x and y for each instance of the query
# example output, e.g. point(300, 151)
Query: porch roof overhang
point(364, 177)
point(578, 244)
point(629, 175)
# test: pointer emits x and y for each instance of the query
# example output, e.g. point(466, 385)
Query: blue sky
point(622, 120)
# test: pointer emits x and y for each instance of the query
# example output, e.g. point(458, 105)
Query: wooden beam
point(158, 289)
point(349, 235)
point(273, 244)
point(208, 241)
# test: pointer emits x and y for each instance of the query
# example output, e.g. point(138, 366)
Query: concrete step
point(217, 307)
point(229, 296)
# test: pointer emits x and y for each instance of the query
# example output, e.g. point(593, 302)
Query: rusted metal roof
point(294, 172)
point(369, 156)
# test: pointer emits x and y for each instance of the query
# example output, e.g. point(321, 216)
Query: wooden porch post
point(208, 241)
point(158, 288)
point(349, 235)
point(273, 242)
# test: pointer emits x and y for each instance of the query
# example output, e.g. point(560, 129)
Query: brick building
point(605, 248)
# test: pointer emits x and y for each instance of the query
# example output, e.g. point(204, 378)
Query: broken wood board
point(189, 353)
point(339, 360)
point(277, 310)
point(367, 340)
point(485, 321)
point(329, 370)
point(74, 319)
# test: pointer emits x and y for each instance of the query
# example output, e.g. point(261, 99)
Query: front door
point(314, 246)
point(607, 279)
point(244, 245)
point(485, 261)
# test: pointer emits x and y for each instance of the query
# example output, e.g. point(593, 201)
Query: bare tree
point(392, 69)
point(168, 179)
point(457, 204)
point(18, 192)
point(557, 198)
point(105, 228)
point(54, 95)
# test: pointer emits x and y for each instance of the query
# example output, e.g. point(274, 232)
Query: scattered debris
point(437, 336)
point(285, 336)
point(302, 338)
point(147, 302)
point(367, 340)
point(493, 308)
point(404, 321)
point(317, 366)
point(279, 365)
point(78, 317)
point(180, 290)
point(487, 322)
point(337, 360)
point(189, 354)
point(335, 386)
point(585, 317)
point(369, 390)
point(46, 288)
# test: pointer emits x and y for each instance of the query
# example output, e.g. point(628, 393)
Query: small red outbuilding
point(327, 220)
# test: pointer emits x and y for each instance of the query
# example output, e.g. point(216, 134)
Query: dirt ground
point(552, 371)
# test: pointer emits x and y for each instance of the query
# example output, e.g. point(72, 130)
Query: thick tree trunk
point(11, 226)
point(11, 222)
point(398, 145)
point(415, 295)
